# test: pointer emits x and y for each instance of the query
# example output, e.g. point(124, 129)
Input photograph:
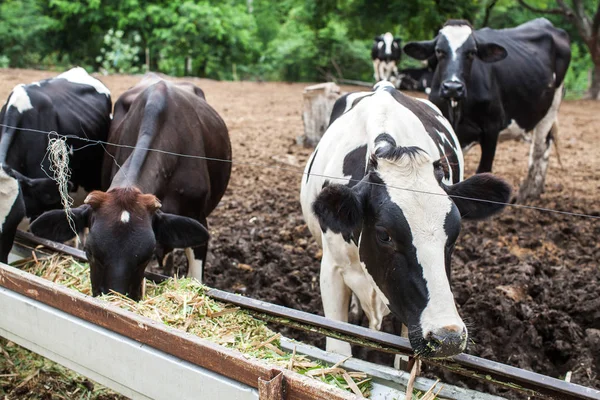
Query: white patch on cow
point(426, 215)
point(388, 38)
point(427, 90)
point(195, 267)
point(79, 75)
point(388, 71)
point(512, 132)
point(352, 97)
point(111, 116)
point(9, 190)
point(125, 216)
point(456, 35)
point(380, 45)
point(539, 152)
point(19, 99)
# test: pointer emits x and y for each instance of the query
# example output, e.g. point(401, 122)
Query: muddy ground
point(527, 282)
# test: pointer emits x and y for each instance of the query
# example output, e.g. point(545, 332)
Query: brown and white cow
point(155, 199)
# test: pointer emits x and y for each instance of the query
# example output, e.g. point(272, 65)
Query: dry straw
point(183, 304)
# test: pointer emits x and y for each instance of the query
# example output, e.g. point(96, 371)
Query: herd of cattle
point(388, 226)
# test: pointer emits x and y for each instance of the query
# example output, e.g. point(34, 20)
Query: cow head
point(455, 47)
point(405, 222)
point(125, 226)
point(39, 194)
point(388, 48)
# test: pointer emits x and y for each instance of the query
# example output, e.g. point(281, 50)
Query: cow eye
point(383, 236)
point(470, 54)
point(440, 53)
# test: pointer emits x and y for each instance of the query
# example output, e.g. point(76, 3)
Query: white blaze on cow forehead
point(125, 216)
point(79, 75)
point(456, 35)
point(9, 190)
point(388, 38)
point(20, 99)
point(426, 216)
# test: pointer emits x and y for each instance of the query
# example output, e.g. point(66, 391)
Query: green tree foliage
point(294, 40)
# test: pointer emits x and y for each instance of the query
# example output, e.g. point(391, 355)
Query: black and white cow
point(154, 122)
point(386, 52)
point(490, 82)
point(73, 103)
point(388, 226)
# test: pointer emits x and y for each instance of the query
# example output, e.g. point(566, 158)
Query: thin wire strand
point(301, 171)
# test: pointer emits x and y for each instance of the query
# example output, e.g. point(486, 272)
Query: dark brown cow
point(156, 200)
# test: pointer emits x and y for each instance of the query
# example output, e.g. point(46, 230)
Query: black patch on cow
point(311, 164)
point(338, 208)
point(355, 164)
point(433, 125)
point(491, 192)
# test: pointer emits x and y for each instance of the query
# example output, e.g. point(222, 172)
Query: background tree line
point(291, 40)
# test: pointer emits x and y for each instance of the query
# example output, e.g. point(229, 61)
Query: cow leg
point(539, 153)
point(197, 257)
point(336, 297)
point(376, 75)
point(489, 141)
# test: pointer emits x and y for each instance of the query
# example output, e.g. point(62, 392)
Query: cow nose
point(453, 89)
point(447, 341)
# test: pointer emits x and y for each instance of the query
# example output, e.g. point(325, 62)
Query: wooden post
point(318, 103)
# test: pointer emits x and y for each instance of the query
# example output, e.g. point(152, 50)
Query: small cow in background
point(489, 82)
point(389, 221)
point(386, 53)
point(156, 200)
point(72, 103)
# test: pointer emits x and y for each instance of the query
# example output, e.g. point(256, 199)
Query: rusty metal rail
point(527, 382)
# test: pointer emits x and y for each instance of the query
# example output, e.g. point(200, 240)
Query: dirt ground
point(527, 282)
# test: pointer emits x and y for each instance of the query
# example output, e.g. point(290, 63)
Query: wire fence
point(297, 170)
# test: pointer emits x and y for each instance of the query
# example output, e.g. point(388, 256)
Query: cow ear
point(378, 38)
point(340, 208)
point(493, 192)
point(420, 50)
point(177, 232)
point(54, 225)
point(490, 52)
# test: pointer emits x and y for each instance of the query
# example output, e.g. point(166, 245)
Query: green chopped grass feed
point(26, 375)
point(183, 304)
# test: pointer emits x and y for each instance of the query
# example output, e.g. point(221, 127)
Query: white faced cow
point(386, 52)
point(494, 82)
point(389, 225)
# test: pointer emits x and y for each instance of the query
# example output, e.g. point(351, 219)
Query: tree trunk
point(595, 87)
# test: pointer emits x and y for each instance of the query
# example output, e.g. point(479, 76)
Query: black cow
point(127, 226)
point(386, 53)
point(417, 79)
point(489, 81)
point(74, 104)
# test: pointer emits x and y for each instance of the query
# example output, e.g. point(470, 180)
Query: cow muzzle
point(453, 90)
point(444, 342)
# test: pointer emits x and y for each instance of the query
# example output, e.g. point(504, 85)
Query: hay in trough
point(26, 375)
point(183, 304)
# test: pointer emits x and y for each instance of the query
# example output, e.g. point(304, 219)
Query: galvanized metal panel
point(124, 365)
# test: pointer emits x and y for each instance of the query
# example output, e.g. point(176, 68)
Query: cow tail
point(10, 122)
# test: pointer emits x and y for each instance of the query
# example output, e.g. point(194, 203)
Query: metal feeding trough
point(144, 359)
